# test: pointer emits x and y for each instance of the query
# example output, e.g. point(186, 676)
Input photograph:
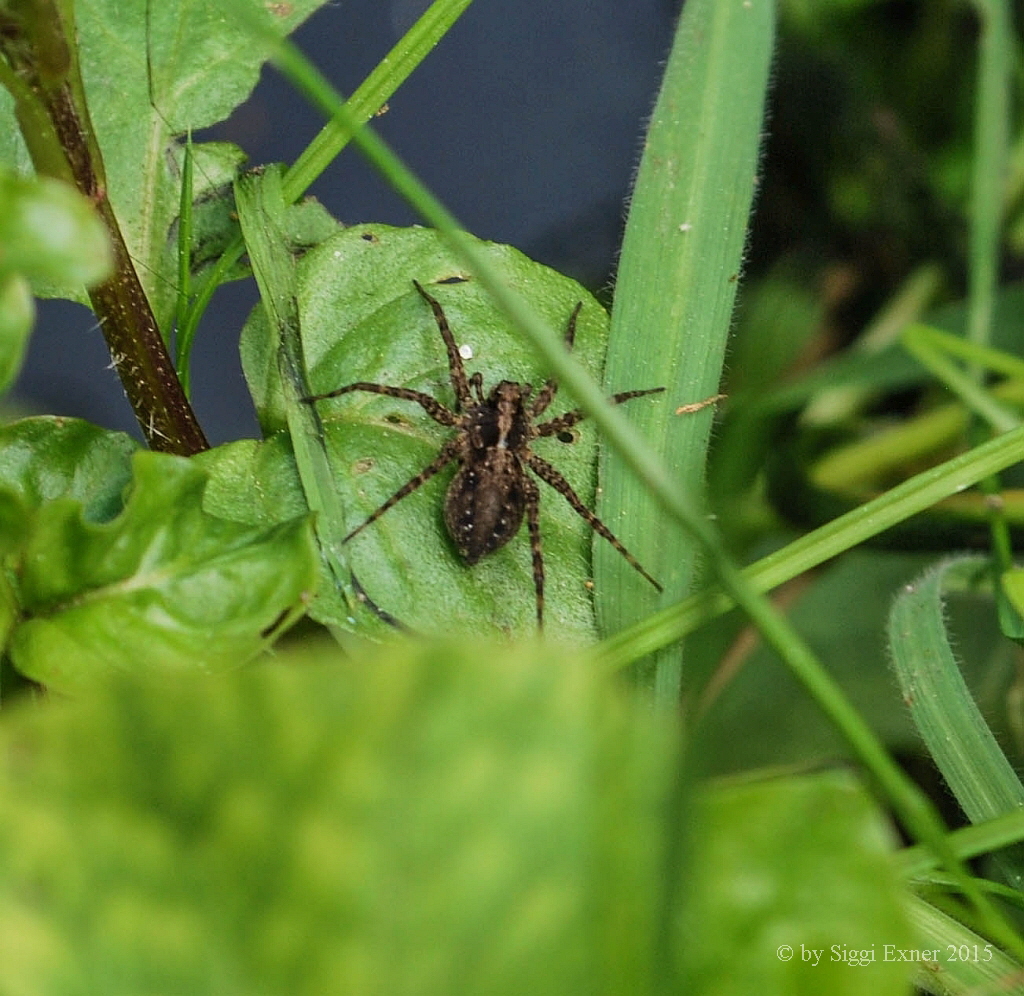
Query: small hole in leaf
point(567, 436)
point(455, 278)
point(368, 237)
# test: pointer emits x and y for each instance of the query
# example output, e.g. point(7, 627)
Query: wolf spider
point(491, 491)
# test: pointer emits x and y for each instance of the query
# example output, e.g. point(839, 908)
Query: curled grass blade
point(953, 729)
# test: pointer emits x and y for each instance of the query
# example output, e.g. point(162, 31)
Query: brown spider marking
point(491, 492)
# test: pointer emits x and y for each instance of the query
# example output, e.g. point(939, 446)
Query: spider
point(491, 491)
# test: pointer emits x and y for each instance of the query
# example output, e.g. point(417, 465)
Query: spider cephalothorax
point(491, 491)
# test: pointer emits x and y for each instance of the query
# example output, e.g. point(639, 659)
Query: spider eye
point(567, 436)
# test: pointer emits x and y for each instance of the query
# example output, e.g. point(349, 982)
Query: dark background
point(526, 121)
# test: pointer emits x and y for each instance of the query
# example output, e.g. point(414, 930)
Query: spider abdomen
point(481, 520)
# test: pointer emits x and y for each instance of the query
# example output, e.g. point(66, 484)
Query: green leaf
point(361, 320)
point(437, 819)
point(794, 891)
point(252, 481)
point(162, 586)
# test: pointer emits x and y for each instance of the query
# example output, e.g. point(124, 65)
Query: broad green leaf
point(361, 320)
point(152, 71)
point(162, 586)
point(436, 820)
point(43, 459)
point(795, 890)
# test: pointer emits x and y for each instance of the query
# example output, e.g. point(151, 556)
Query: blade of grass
point(990, 971)
point(988, 174)
point(996, 49)
point(676, 286)
point(968, 842)
point(260, 205)
point(842, 534)
point(967, 388)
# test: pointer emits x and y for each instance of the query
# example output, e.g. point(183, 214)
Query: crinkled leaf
point(437, 820)
point(257, 482)
point(51, 457)
point(164, 585)
point(789, 867)
point(362, 320)
point(42, 459)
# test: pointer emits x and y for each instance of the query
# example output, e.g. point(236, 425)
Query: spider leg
point(455, 368)
point(549, 475)
point(448, 453)
point(433, 407)
point(533, 525)
point(547, 393)
point(569, 419)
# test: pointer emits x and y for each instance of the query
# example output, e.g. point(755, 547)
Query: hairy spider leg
point(532, 493)
point(547, 393)
point(433, 407)
point(449, 452)
point(456, 370)
point(549, 475)
point(569, 419)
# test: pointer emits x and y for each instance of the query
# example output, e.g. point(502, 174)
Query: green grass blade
point(676, 284)
point(389, 74)
point(184, 290)
point(983, 968)
point(968, 842)
point(968, 389)
point(814, 548)
point(991, 156)
point(260, 204)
